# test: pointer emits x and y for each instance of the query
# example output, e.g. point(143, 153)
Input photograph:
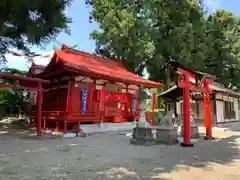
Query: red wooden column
point(186, 112)
point(90, 91)
point(33, 96)
point(136, 113)
point(102, 106)
point(127, 104)
point(153, 107)
point(68, 105)
point(39, 110)
point(69, 96)
point(207, 111)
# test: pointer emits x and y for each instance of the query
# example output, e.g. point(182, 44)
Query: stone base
point(142, 136)
point(208, 138)
point(194, 132)
point(187, 145)
point(166, 136)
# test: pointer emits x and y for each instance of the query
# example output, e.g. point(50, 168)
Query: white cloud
point(20, 62)
point(43, 58)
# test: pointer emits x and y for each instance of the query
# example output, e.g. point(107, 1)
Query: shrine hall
point(86, 88)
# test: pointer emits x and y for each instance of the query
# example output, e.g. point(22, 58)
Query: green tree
point(223, 43)
point(13, 98)
point(25, 22)
point(178, 31)
point(123, 35)
point(149, 33)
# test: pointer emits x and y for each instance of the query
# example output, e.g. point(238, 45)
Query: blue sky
point(80, 28)
point(228, 5)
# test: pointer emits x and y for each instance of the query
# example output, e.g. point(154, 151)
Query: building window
point(229, 112)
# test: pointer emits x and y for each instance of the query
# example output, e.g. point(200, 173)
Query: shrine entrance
point(189, 80)
point(30, 84)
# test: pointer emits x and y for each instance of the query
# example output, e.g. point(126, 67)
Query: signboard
point(84, 100)
point(133, 103)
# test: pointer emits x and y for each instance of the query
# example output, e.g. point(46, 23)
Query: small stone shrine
point(166, 131)
point(142, 133)
point(194, 128)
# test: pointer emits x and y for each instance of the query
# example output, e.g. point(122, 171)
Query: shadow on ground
point(175, 159)
point(108, 156)
point(19, 128)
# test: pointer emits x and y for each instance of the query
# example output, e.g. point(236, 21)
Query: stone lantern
point(142, 99)
point(142, 133)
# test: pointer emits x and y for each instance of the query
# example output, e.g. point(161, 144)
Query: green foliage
point(147, 34)
point(13, 98)
point(27, 22)
point(222, 57)
point(159, 102)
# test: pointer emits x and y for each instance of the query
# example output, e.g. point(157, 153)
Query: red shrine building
point(85, 88)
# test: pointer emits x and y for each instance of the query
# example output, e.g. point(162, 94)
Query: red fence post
point(39, 110)
point(153, 108)
point(136, 102)
point(102, 102)
point(69, 96)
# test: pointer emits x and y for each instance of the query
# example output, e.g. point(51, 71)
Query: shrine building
point(86, 88)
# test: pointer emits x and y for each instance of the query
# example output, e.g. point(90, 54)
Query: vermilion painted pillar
point(91, 89)
point(69, 97)
point(44, 124)
point(186, 114)
point(126, 114)
point(78, 128)
point(153, 107)
point(136, 113)
point(39, 111)
point(68, 107)
point(102, 102)
point(207, 112)
point(57, 127)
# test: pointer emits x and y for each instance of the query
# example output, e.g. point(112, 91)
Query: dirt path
point(110, 156)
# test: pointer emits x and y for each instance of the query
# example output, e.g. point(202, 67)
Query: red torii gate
point(185, 83)
point(30, 84)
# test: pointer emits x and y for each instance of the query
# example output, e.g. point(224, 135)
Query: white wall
point(219, 109)
point(236, 108)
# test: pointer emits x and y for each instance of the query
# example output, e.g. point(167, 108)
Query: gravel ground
point(111, 156)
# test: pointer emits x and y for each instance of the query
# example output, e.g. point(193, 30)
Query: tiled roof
point(96, 66)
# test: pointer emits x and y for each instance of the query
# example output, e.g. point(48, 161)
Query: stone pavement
point(109, 156)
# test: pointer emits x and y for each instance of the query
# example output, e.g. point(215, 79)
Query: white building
point(225, 105)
